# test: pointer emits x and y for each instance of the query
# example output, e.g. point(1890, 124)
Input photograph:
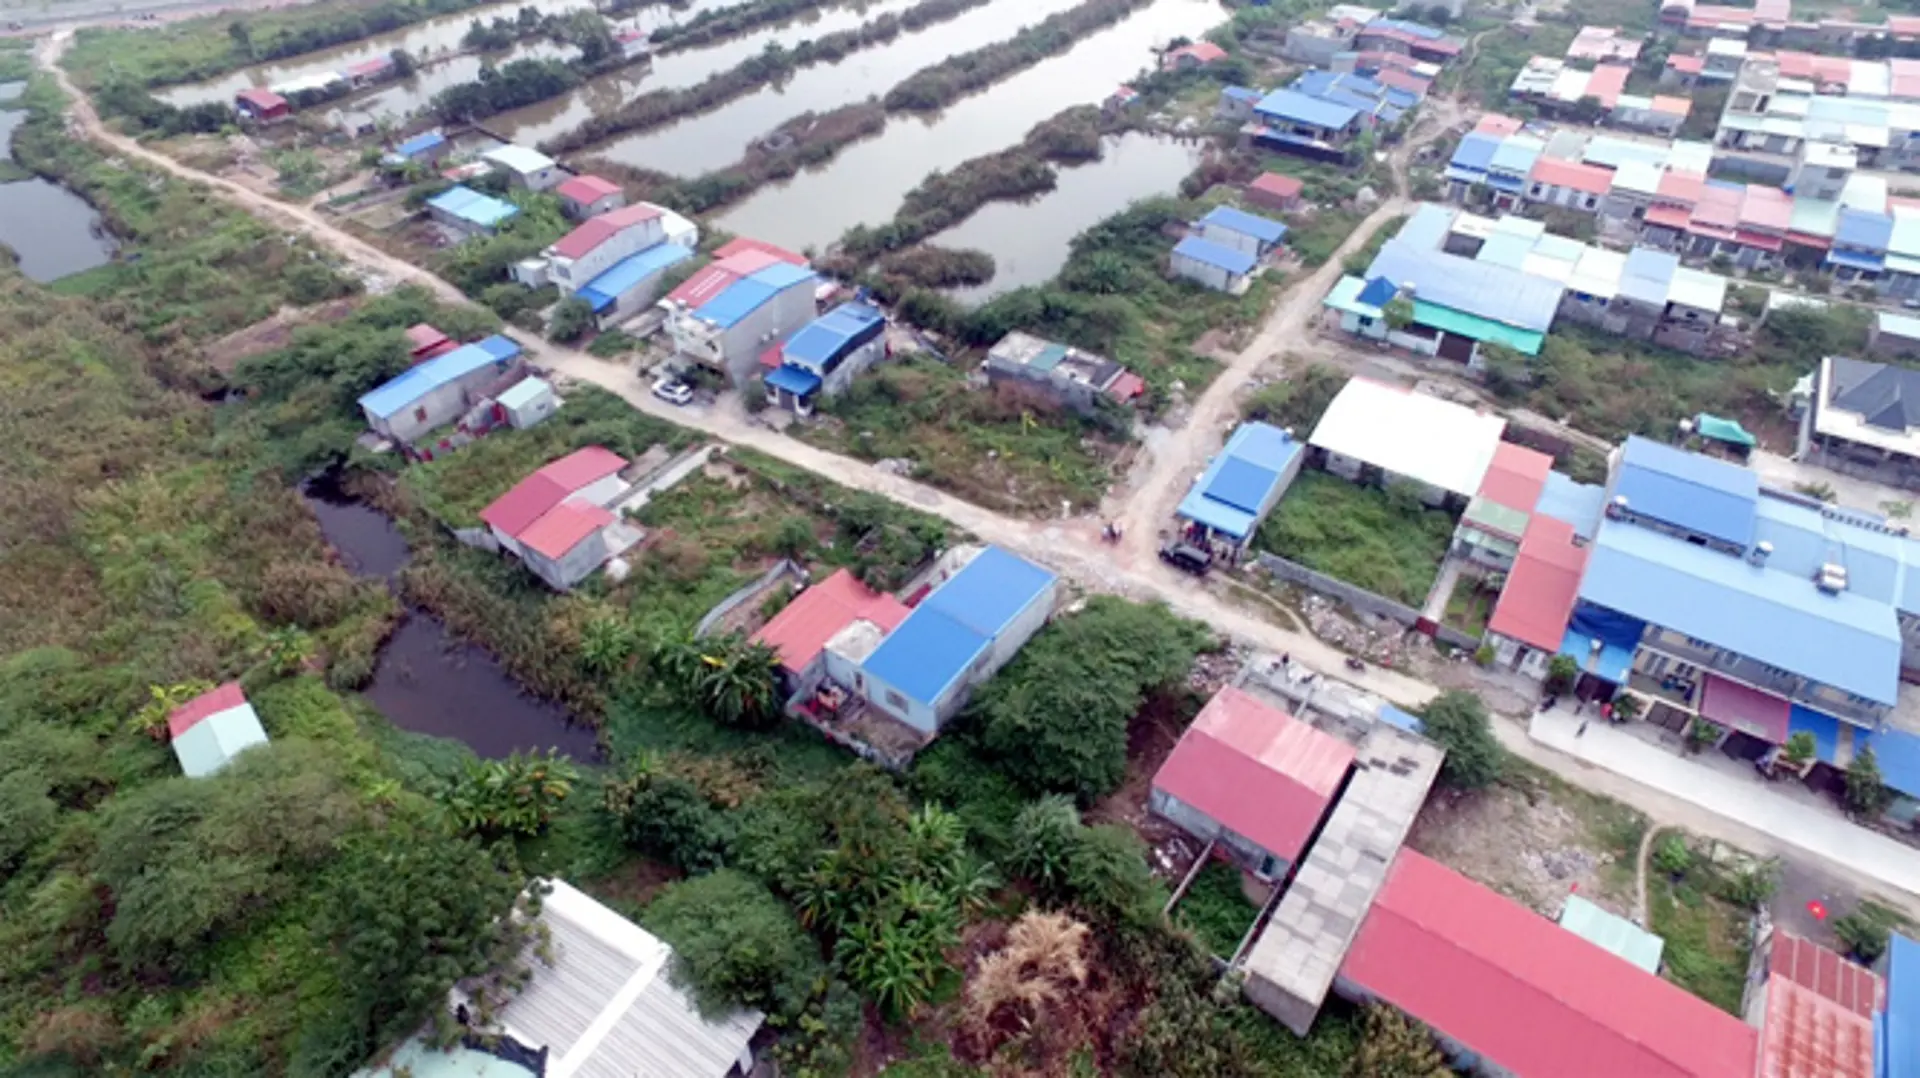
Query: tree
point(735, 944)
point(1057, 716)
point(572, 318)
point(729, 677)
point(514, 796)
point(606, 643)
point(242, 37)
point(28, 815)
point(1457, 720)
point(1867, 793)
point(404, 65)
point(1865, 932)
point(408, 911)
point(1800, 748)
point(1561, 673)
point(1101, 869)
point(1626, 707)
point(1396, 1046)
point(664, 813)
point(1300, 401)
point(1398, 312)
point(1897, 509)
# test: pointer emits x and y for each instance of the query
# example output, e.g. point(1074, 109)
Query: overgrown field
point(1382, 540)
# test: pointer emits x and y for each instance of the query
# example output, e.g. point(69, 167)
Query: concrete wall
point(551, 176)
point(887, 697)
point(1243, 851)
point(540, 407)
point(742, 343)
point(855, 363)
point(1511, 654)
point(573, 274)
point(1237, 240)
point(441, 406)
point(582, 211)
point(575, 565)
point(1209, 275)
point(1356, 597)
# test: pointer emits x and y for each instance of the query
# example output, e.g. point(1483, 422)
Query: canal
point(715, 139)
point(1029, 240)
point(866, 182)
point(675, 70)
point(52, 231)
point(426, 680)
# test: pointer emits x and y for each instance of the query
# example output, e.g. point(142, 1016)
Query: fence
point(1361, 599)
point(732, 602)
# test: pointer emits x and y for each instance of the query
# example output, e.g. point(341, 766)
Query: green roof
point(1723, 430)
point(1524, 341)
point(1613, 933)
point(1346, 297)
point(1492, 516)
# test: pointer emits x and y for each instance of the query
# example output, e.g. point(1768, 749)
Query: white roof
point(1410, 434)
point(304, 83)
point(1721, 46)
point(606, 1008)
point(1598, 272)
point(1696, 288)
point(518, 159)
point(1830, 154)
point(524, 392)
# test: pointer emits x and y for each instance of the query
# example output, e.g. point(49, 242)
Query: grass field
point(1380, 540)
point(1216, 910)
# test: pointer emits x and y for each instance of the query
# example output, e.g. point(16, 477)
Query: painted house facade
point(589, 196)
point(557, 520)
point(728, 314)
point(438, 391)
point(824, 357)
point(527, 168)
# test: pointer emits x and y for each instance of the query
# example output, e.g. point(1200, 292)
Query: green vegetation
point(1457, 720)
point(659, 107)
point(1708, 936)
point(735, 943)
point(1396, 1046)
point(942, 84)
point(509, 86)
point(1470, 606)
point(928, 266)
point(16, 58)
point(1056, 718)
point(1298, 401)
point(1868, 929)
point(1356, 263)
point(1100, 870)
point(1008, 448)
point(1385, 541)
point(718, 24)
point(1867, 792)
point(205, 48)
point(1215, 909)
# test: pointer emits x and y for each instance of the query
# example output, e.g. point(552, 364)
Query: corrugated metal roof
point(597, 230)
point(1292, 106)
point(1228, 505)
point(1410, 434)
point(1257, 771)
point(423, 378)
point(469, 205)
point(518, 158)
point(1527, 995)
point(1807, 1036)
point(952, 626)
point(420, 144)
point(819, 341)
point(207, 704)
point(1260, 228)
point(1524, 341)
point(587, 189)
point(1477, 288)
point(1516, 476)
point(1901, 1031)
point(1693, 492)
point(1578, 504)
point(1219, 256)
point(1743, 708)
point(1537, 601)
point(517, 510)
point(1826, 973)
point(803, 627)
point(606, 289)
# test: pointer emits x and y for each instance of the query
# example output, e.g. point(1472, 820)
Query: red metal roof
point(1539, 595)
point(1493, 123)
point(424, 337)
point(587, 189)
point(1746, 709)
point(1205, 52)
point(370, 67)
point(1526, 994)
point(1403, 80)
point(1516, 477)
point(1806, 1035)
point(1277, 185)
point(205, 706)
point(261, 98)
point(1825, 973)
point(803, 627)
point(748, 262)
point(1257, 771)
point(1686, 63)
point(597, 230)
point(734, 247)
point(562, 528)
point(1669, 105)
point(1766, 208)
point(533, 497)
point(705, 284)
point(1678, 185)
point(1127, 386)
point(1669, 216)
point(1607, 83)
point(1591, 179)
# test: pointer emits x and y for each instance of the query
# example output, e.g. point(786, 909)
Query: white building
point(528, 168)
point(826, 355)
point(1374, 432)
point(437, 392)
point(557, 520)
point(527, 402)
point(739, 308)
point(592, 248)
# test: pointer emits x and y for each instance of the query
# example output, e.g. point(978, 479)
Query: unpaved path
point(1071, 547)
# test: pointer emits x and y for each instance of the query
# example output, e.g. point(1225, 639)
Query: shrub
point(1102, 869)
point(735, 944)
point(1865, 933)
point(1458, 721)
point(1671, 855)
point(1867, 793)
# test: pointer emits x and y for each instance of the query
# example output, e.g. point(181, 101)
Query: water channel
point(428, 681)
point(675, 70)
point(715, 139)
point(53, 231)
point(866, 182)
point(1028, 240)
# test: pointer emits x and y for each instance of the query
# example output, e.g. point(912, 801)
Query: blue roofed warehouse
point(437, 392)
point(1240, 487)
point(964, 631)
point(1248, 233)
point(826, 355)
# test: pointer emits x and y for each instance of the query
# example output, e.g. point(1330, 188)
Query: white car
point(673, 391)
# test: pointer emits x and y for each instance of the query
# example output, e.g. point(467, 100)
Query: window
point(896, 700)
point(420, 414)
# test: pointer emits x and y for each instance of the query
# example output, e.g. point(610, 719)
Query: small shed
point(427, 147)
point(527, 402)
point(1218, 267)
point(1894, 335)
point(585, 196)
point(1726, 436)
point(1612, 932)
point(529, 168)
point(261, 105)
point(1275, 191)
point(211, 729)
point(425, 342)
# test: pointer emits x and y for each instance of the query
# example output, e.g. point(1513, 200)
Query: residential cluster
point(1596, 67)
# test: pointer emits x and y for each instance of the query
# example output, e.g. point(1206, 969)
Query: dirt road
point(1071, 547)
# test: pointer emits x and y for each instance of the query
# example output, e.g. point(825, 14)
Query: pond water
point(53, 231)
point(715, 139)
point(865, 183)
point(1029, 240)
point(674, 70)
point(426, 680)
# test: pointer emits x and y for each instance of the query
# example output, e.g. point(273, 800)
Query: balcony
point(1746, 671)
point(1673, 690)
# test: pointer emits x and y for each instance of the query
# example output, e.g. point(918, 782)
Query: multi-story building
point(739, 307)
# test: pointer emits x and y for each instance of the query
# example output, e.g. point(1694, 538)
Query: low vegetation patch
point(1382, 540)
point(1708, 938)
point(1215, 909)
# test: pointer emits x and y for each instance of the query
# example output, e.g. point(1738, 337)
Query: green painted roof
point(1493, 516)
point(1616, 934)
point(1524, 341)
point(1723, 430)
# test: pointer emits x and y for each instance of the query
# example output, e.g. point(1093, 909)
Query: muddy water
point(52, 231)
point(536, 123)
point(865, 183)
point(427, 681)
point(1028, 240)
point(424, 42)
point(718, 138)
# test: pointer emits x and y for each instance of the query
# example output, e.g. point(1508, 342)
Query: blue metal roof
point(1855, 260)
point(1699, 494)
point(1898, 1053)
point(1577, 504)
point(943, 636)
point(498, 347)
point(847, 326)
point(1897, 752)
point(745, 296)
point(1377, 292)
point(1846, 641)
point(1611, 662)
point(420, 144)
point(1264, 229)
point(606, 289)
point(1214, 254)
point(1648, 275)
point(416, 382)
point(1237, 481)
point(1393, 716)
point(1482, 289)
point(1805, 538)
point(1863, 229)
point(1293, 106)
point(1242, 93)
point(925, 654)
point(1516, 155)
point(472, 206)
point(782, 275)
point(794, 380)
